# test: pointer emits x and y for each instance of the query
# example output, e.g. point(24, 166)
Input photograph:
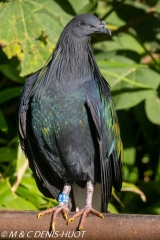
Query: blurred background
point(129, 61)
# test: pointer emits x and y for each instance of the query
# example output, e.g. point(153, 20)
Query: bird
point(68, 126)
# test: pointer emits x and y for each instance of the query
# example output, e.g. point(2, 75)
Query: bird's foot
point(56, 210)
point(84, 213)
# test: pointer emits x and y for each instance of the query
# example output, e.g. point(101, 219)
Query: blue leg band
point(63, 198)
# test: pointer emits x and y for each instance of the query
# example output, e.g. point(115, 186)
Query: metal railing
point(26, 225)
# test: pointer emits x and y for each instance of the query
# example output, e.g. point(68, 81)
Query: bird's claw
point(80, 227)
point(70, 220)
point(53, 227)
point(56, 210)
point(84, 212)
point(101, 216)
point(46, 212)
point(66, 216)
point(79, 213)
point(39, 215)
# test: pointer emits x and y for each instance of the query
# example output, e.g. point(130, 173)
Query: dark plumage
point(67, 122)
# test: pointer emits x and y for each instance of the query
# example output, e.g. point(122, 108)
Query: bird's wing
point(23, 107)
point(110, 145)
point(42, 173)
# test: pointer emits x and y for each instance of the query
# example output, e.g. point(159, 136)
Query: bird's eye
point(83, 23)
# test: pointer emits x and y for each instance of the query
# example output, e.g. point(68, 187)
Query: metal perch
point(25, 225)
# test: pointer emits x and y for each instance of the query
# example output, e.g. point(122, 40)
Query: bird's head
point(84, 25)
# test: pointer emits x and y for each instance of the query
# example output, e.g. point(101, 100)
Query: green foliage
point(130, 62)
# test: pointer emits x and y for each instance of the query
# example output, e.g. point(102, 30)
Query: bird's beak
point(103, 29)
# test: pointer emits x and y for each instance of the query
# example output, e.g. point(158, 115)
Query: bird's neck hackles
point(73, 59)
point(71, 62)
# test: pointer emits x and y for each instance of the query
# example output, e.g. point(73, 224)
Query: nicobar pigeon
point(68, 126)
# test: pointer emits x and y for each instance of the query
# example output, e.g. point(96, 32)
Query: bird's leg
point(88, 207)
point(62, 206)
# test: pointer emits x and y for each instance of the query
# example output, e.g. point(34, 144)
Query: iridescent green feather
point(115, 129)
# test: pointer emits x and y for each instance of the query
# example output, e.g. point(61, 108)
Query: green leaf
point(29, 183)
point(29, 190)
point(129, 156)
point(9, 93)
point(6, 194)
point(134, 83)
point(122, 58)
point(22, 165)
point(11, 73)
point(21, 159)
point(82, 6)
point(115, 20)
point(3, 123)
point(158, 6)
point(27, 23)
point(129, 99)
point(130, 83)
point(152, 107)
point(133, 188)
point(20, 204)
point(31, 196)
point(7, 154)
point(133, 75)
point(120, 42)
point(112, 208)
point(117, 198)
